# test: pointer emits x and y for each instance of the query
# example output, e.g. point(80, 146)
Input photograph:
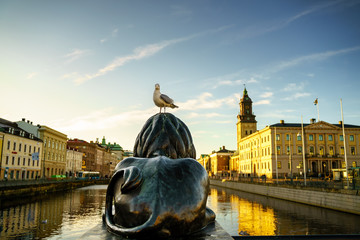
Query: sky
point(88, 68)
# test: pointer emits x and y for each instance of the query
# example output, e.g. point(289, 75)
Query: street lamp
point(303, 148)
point(290, 159)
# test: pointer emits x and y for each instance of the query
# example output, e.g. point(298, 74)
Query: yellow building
point(257, 150)
point(19, 152)
point(54, 154)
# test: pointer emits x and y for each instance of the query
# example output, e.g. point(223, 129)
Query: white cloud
point(205, 115)
point(225, 81)
point(262, 102)
point(75, 54)
point(294, 87)
point(31, 75)
point(311, 75)
point(268, 27)
point(141, 53)
point(103, 119)
point(312, 57)
point(103, 40)
point(267, 94)
point(207, 101)
point(114, 32)
point(297, 96)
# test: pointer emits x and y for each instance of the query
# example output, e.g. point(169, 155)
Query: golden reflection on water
point(250, 217)
point(253, 217)
point(67, 214)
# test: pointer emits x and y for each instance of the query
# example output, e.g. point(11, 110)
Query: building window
point(14, 146)
point(352, 150)
point(287, 137)
point(321, 137)
point(311, 150)
point(8, 145)
point(245, 132)
point(299, 149)
point(341, 138)
point(311, 137)
point(279, 165)
point(18, 161)
point(299, 137)
point(7, 160)
point(25, 148)
point(19, 147)
point(331, 150)
point(330, 137)
point(288, 149)
point(23, 161)
point(13, 161)
point(29, 149)
point(351, 138)
point(278, 150)
point(28, 161)
point(277, 137)
point(342, 150)
point(45, 142)
point(321, 150)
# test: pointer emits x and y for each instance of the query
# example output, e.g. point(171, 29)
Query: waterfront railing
point(310, 182)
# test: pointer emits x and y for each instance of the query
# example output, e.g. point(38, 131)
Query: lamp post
point(276, 160)
point(290, 160)
point(343, 130)
point(303, 148)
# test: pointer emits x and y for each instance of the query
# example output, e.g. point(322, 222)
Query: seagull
point(161, 100)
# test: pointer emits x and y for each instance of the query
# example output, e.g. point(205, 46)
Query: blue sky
point(88, 68)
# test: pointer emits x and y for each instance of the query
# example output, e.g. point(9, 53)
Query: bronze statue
point(162, 190)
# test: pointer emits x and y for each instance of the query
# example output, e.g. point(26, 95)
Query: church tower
point(246, 123)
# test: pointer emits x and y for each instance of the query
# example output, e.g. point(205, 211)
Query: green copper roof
point(113, 147)
point(245, 91)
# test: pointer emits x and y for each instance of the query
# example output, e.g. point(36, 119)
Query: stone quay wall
point(345, 200)
point(13, 192)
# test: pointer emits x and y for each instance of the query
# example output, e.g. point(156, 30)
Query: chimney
point(313, 120)
point(23, 119)
point(282, 121)
point(28, 121)
point(223, 147)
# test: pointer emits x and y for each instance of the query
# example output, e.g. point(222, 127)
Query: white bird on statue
point(161, 100)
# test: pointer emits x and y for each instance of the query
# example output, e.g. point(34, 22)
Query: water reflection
point(259, 215)
point(68, 215)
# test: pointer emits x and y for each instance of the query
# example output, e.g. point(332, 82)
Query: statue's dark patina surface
point(162, 190)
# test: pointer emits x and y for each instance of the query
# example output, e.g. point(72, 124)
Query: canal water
point(69, 215)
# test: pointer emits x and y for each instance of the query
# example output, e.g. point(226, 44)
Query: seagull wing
point(166, 99)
